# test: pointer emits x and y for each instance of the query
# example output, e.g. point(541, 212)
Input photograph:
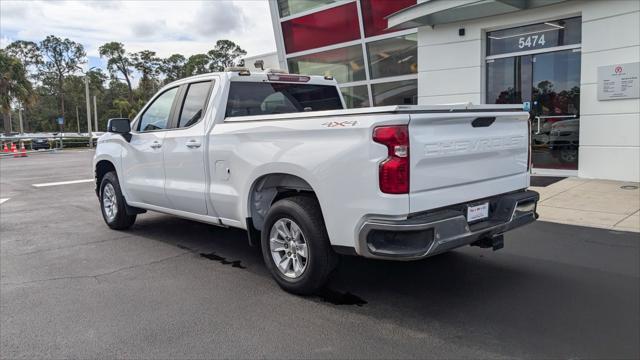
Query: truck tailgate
point(461, 157)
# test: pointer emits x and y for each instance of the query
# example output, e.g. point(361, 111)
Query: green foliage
point(14, 85)
point(197, 64)
point(61, 57)
point(27, 52)
point(47, 79)
point(173, 68)
point(225, 54)
point(148, 64)
point(118, 62)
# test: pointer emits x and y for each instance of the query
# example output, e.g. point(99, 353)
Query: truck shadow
point(471, 296)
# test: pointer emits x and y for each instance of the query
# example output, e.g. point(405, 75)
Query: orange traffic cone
point(14, 150)
point(23, 151)
point(5, 149)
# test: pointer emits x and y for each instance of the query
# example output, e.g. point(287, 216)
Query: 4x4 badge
point(331, 124)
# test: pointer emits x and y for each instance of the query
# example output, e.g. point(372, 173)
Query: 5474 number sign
point(531, 41)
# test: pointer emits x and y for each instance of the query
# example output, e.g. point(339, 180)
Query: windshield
point(253, 98)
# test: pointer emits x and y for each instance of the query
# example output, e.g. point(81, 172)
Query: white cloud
point(167, 27)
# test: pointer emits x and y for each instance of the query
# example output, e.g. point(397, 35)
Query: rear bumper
point(424, 235)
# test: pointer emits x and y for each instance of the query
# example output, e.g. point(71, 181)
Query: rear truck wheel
point(295, 245)
point(113, 205)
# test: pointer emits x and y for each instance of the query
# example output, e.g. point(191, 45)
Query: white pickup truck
point(278, 155)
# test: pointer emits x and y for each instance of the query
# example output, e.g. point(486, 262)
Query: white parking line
point(63, 183)
point(3, 200)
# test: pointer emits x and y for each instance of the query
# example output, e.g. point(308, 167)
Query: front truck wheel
point(295, 245)
point(112, 203)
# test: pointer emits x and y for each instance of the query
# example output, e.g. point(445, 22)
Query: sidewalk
point(595, 203)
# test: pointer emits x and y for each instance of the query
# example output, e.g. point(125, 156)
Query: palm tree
point(121, 105)
point(14, 86)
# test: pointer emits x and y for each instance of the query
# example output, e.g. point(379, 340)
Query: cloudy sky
point(167, 27)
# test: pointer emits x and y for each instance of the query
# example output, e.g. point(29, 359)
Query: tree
point(224, 55)
point(61, 57)
point(118, 62)
point(173, 67)
point(14, 86)
point(28, 53)
point(53, 67)
point(147, 63)
point(121, 105)
point(197, 64)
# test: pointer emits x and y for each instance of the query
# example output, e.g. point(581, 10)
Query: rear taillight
point(394, 170)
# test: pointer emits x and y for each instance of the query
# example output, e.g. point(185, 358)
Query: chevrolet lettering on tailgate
point(462, 146)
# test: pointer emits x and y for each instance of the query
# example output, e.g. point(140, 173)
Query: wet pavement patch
point(222, 260)
point(338, 298)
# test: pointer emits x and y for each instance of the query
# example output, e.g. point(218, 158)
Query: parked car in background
point(564, 140)
point(40, 143)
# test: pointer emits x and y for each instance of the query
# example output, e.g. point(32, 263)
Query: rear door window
point(194, 103)
point(252, 98)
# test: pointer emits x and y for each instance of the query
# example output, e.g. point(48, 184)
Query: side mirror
point(120, 126)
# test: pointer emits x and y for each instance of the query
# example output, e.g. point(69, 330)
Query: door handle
point(156, 145)
point(538, 119)
point(193, 144)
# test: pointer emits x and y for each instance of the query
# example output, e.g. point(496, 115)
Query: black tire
point(121, 220)
point(320, 261)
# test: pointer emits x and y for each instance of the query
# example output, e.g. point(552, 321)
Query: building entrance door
point(548, 78)
point(555, 110)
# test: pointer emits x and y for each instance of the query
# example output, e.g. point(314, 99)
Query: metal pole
point(95, 112)
point(10, 122)
point(20, 117)
point(86, 89)
point(78, 119)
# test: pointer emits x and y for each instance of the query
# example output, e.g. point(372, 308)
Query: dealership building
point(573, 64)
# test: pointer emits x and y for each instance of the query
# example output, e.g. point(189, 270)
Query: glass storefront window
point(355, 96)
point(537, 36)
point(505, 79)
point(292, 7)
point(322, 28)
point(395, 93)
point(375, 11)
point(344, 64)
point(393, 57)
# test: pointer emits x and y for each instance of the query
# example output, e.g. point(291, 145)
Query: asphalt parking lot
point(172, 288)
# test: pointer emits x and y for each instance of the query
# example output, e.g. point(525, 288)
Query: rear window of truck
point(253, 98)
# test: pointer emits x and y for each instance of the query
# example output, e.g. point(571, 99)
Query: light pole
point(20, 117)
point(78, 119)
point(95, 112)
point(86, 89)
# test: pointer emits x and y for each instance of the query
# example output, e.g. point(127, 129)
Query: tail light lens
point(394, 170)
